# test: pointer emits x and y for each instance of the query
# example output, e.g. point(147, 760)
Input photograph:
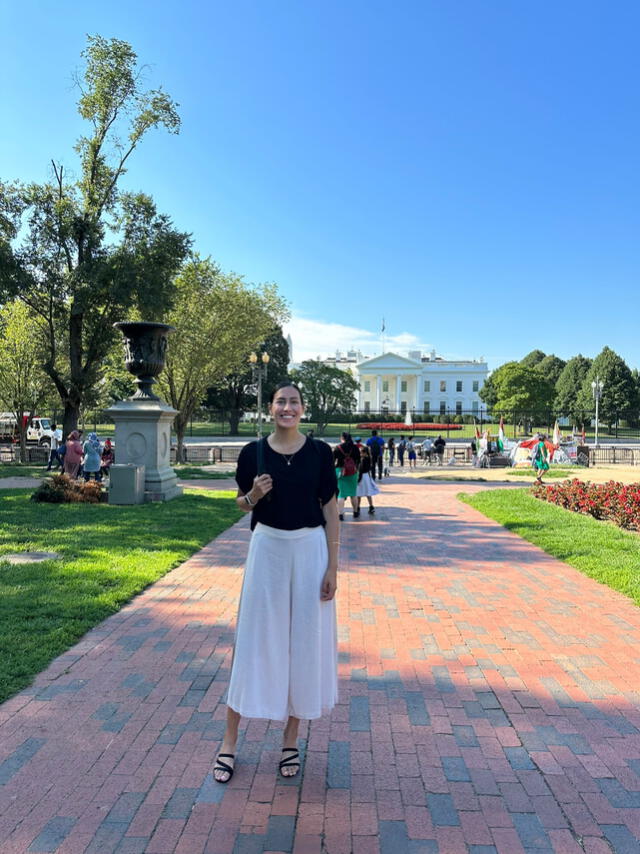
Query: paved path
point(489, 703)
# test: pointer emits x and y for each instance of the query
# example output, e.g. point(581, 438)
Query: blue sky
point(468, 170)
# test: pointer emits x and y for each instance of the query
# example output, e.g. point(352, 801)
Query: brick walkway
point(489, 703)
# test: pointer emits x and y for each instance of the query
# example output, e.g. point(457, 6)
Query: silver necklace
point(289, 457)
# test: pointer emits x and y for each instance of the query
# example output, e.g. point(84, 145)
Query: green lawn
point(19, 470)
point(108, 553)
point(553, 472)
point(196, 472)
point(598, 549)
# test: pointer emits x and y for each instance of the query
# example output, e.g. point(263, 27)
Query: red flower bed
point(616, 502)
point(417, 425)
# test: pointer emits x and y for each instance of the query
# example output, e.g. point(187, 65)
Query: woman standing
point(91, 462)
point(73, 454)
point(366, 484)
point(391, 447)
point(346, 456)
point(285, 656)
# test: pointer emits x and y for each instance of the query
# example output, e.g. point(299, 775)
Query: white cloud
point(313, 338)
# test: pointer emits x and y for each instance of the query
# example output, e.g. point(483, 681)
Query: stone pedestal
point(143, 437)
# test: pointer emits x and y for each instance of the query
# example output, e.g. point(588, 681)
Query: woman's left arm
point(332, 531)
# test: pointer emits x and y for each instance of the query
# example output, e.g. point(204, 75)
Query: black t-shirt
point(300, 489)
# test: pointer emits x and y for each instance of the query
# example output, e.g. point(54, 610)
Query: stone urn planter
point(145, 346)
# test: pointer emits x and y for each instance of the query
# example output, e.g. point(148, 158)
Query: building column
point(378, 393)
point(417, 395)
point(398, 387)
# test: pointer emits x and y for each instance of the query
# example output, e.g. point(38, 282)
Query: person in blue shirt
point(376, 448)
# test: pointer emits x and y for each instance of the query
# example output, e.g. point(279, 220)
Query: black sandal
point(290, 762)
point(222, 766)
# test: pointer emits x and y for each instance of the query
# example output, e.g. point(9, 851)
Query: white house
point(426, 385)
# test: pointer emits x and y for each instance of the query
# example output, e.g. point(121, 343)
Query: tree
point(326, 391)
point(80, 253)
point(488, 393)
point(532, 359)
point(23, 383)
point(522, 389)
point(219, 319)
point(568, 386)
point(235, 394)
point(619, 397)
point(551, 367)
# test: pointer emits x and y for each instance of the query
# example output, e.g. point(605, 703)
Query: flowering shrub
point(616, 502)
point(417, 425)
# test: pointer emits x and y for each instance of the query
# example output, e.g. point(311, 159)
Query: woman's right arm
point(246, 501)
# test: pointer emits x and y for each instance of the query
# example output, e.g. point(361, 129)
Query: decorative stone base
point(143, 437)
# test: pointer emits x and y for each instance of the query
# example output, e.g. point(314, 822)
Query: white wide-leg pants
point(285, 659)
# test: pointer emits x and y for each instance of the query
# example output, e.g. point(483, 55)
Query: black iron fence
point(452, 423)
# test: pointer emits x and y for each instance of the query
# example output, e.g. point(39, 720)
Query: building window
point(403, 406)
point(425, 407)
point(403, 385)
point(367, 406)
point(458, 407)
point(443, 407)
point(367, 385)
point(474, 407)
point(458, 386)
point(427, 385)
point(443, 385)
point(385, 385)
point(475, 385)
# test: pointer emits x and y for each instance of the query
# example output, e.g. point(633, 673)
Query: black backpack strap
point(260, 456)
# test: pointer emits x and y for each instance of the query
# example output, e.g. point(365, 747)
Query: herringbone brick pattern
point(489, 703)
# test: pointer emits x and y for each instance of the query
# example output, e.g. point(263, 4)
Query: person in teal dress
point(540, 459)
point(346, 458)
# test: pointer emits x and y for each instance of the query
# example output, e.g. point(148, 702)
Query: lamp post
point(258, 374)
point(596, 387)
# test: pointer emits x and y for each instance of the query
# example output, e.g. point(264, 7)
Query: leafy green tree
point(489, 393)
point(532, 359)
point(619, 397)
point(522, 390)
point(327, 391)
point(219, 319)
point(78, 251)
point(551, 367)
point(235, 394)
point(23, 383)
point(568, 387)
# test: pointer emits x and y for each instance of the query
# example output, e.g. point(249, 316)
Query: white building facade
point(425, 385)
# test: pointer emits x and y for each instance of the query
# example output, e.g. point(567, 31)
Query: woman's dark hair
point(286, 384)
point(347, 441)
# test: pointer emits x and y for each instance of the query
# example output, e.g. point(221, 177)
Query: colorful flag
point(501, 435)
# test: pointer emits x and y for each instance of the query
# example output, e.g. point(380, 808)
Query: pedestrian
point(540, 458)
point(56, 439)
point(391, 447)
point(376, 446)
point(107, 458)
point(411, 452)
point(92, 459)
point(438, 447)
point(347, 459)
point(285, 657)
point(73, 454)
point(427, 450)
point(402, 444)
point(366, 484)
point(474, 453)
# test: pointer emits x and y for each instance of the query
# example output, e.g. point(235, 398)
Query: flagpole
point(382, 331)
